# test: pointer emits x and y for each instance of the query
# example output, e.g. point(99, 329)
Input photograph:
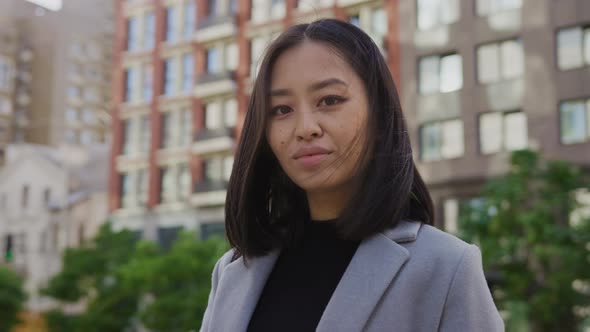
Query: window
point(355, 20)
point(127, 136)
point(5, 105)
point(487, 7)
point(25, 197)
point(88, 116)
point(186, 127)
point(440, 74)
point(211, 8)
point(187, 72)
point(256, 49)
point(133, 34)
point(167, 130)
point(71, 116)
point(145, 134)
point(142, 187)
point(573, 47)
point(3, 200)
point(130, 79)
point(74, 92)
point(213, 61)
point(87, 137)
point(46, 197)
point(231, 56)
point(71, 136)
point(148, 82)
point(218, 168)
point(221, 113)
point(441, 140)
point(433, 13)
point(575, 121)
point(500, 61)
point(167, 185)
point(378, 28)
point(170, 24)
point(126, 190)
point(6, 73)
point(277, 8)
point(502, 131)
point(169, 69)
point(190, 12)
point(149, 31)
point(184, 182)
point(91, 94)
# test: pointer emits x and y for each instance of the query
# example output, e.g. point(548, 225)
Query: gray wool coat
point(412, 278)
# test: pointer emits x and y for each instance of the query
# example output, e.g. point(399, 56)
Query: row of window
point(6, 73)
point(180, 23)
point(434, 13)
point(89, 93)
point(499, 61)
point(175, 181)
point(25, 197)
point(84, 137)
point(178, 72)
point(495, 62)
point(86, 116)
point(177, 126)
point(501, 131)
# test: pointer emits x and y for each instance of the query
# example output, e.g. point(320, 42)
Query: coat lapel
point(242, 288)
point(375, 264)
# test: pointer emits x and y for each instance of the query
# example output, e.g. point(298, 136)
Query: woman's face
point(318, 118)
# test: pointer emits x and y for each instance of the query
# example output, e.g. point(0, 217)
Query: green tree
point(91, 273)
point(125, 282)
point(12, 298)
point(523, 228)
point(176, 284)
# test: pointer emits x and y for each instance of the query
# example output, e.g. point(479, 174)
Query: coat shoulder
point(434, 245)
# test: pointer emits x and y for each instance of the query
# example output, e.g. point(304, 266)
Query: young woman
point(329, 220)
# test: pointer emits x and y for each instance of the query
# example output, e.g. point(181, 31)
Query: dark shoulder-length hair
point(265, 210)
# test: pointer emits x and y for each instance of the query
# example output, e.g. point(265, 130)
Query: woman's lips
point(311, 161)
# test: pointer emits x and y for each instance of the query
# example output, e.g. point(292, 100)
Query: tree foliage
point(522, 225)
point(125, 283)
point(12, 298)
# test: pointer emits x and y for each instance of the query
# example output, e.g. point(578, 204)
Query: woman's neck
point(327, 205)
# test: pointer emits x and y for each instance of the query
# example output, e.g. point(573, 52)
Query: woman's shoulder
point(430, 242)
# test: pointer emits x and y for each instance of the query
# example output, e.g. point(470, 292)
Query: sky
point(54, 5)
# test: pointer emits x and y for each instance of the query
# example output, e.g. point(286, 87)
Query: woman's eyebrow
point(313, 87)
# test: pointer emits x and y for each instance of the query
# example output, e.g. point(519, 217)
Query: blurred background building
point(49, 203)
point(55, 72)
point(477, 79)
point(183, 74)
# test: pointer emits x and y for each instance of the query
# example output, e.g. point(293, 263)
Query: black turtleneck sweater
point(303, 281)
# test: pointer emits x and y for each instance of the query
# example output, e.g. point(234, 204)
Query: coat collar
point(375, 264)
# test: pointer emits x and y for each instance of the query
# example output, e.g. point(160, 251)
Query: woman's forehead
point(308, 63)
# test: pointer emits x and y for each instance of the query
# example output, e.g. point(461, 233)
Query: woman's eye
point(331, 100)
point(281, 110)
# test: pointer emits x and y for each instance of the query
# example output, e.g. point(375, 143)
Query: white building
point(50, 199)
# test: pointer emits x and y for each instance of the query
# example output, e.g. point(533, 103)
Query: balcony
point(215, 28)
point(209, 193)
point(209, 141)
point(212, 84)
point(438, 106)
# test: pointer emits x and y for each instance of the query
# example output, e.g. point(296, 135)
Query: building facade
point(183, 75)
point(481, 78)
point(49, 203)
point(55, 72)
point(477, 78)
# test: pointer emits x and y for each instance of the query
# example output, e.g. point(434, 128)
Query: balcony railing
point(206, 134)
point(210, 185)
point(215, 20)
point(213, 77)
